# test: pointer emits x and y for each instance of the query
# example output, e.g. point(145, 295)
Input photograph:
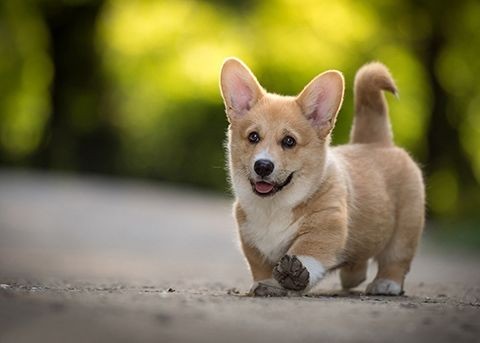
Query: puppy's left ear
point(321, 100)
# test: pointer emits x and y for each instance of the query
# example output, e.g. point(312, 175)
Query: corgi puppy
point(304, 208)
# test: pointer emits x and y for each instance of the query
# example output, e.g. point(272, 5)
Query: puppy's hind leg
point(353, 275)
point(394, 261)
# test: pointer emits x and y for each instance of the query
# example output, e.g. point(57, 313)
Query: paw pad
point(291, 273)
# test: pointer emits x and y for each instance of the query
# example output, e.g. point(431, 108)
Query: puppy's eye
point(288, 142)
point(254, 137)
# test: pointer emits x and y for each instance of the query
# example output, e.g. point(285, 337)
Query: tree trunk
point(444, 145)
point(78, 135)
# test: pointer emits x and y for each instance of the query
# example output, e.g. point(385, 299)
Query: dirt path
point(95, 260)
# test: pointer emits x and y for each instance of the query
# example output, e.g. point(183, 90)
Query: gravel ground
point(86, 259)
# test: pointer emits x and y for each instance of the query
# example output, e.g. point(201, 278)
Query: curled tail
point(371, 123)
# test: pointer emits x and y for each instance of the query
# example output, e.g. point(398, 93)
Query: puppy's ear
point(240, 89)
point(321, 100)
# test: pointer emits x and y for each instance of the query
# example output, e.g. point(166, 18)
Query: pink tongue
point(263, 187)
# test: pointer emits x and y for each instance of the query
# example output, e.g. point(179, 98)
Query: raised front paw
point(291, 273)
point(267, 288)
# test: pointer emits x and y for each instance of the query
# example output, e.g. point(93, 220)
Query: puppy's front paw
point(291, 273)
point(384, 287)
point(267, 288)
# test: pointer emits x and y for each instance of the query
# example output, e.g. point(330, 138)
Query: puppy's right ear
point(240, 89)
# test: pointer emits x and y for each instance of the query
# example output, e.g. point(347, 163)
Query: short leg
point(299, 272)
point(391, 273)
point(394, 261)
point(263, 283)
point(312, 254)
point(353, 275)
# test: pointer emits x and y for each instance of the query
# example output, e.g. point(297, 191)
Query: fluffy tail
point(371, 123)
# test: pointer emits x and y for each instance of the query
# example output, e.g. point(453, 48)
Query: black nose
point(263, 167)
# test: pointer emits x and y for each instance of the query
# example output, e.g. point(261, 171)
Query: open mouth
point(264, 189)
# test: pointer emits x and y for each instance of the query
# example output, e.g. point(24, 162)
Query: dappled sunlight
point(26, 73)
point(165, 48)
point(470, 133)
point(153, 107)
point(410, 112)
point(158, 63)
point(443, 189)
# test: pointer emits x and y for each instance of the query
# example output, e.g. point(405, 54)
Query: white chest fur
point(271, 230)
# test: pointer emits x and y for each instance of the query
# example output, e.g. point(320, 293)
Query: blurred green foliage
point(131, 87)
point(25, 75)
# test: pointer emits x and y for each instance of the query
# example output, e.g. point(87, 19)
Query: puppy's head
point(277, 144)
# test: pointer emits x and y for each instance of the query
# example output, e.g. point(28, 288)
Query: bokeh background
point(130, 88)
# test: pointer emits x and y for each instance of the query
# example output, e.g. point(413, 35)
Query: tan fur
point(345, 204)
point(370, 102)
